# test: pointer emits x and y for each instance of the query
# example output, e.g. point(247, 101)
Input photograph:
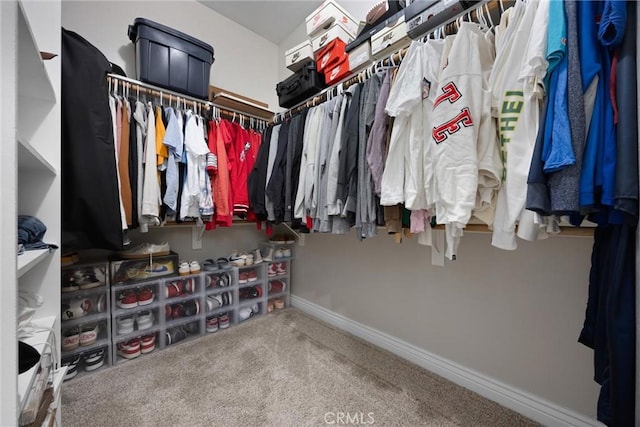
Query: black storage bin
point(304, 83)
point(168, 58)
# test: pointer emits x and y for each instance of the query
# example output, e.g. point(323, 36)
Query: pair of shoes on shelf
point(246, 312)
point(180, 287)
point(76, 308)
point(220, 321)
point(144, 320)
point(278, 303)
point(146, 250)
point(139, 271)
point(248, 276)
point(132, 299)
point(190, 267)
point(177, 334)
point(94, 360)
point(240, 259)
point(75, 337)
point(72, 367)
point(277, 269)
point(218, 281)
point(277, 286)
point(183, 309)
point(219, 300)
point(250, 292)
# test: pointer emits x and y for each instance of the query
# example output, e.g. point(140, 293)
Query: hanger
point(489, 18)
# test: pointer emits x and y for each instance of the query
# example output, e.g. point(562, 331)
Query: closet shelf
point(30, 259)
point(33, 78)
point(25, 380)
point(564, 230)
point(30, 159)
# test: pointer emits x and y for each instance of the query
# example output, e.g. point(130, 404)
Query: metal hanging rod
point(137, 86)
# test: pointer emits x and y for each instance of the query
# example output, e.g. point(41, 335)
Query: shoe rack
point(149, 315)
point(86, 318)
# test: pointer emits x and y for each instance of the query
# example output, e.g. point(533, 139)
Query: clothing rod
point(395, 59)
point(172, 96)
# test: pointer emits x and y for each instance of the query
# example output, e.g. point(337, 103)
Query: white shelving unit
point(30, 158)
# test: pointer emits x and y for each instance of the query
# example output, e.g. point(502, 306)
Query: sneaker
point(278, 254)
point(272, 271)
point(252, 276)
point(223, 263)
point(158, 269)
point(244, 313)
point(212, 324)
point(225, 280)
point(183, 268)
point(145, 296)
point(89, 281)
point(223, 321)
point(243, 277)
point(101, 304)
point(94, 360)
point(129, 349)
point(281, 268)
point(191, 308)
point(214, 302)
point(72, 369)
point(189, 285)
point(173, 289)
point(257, 256)
point(278, 303)
point(237, 259)
point(194, 267)
point(145, 250)
point(145, 320)
point(70, 339)
point(88, 334)
point(286, 252)
point(209, 265)
point(270, 306)
point(248, 259)
point(277, 286)
point(125, 325)
point(127, 299)
point(269, 256)
point(147, 343)
point(75, 308)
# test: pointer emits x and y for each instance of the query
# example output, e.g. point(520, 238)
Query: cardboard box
point(326, 15)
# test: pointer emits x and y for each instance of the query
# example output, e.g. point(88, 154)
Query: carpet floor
point(285, 369)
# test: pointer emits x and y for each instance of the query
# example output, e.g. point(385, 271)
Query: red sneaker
point(127, 299)
point(252, 276)
point(243, 277)
point(145, 296)
point(147, 343)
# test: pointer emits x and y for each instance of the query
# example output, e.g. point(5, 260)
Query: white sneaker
point(257, 256)
point(146, 249)
point(269, 256)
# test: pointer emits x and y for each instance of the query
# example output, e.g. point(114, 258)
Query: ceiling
point(272, 20)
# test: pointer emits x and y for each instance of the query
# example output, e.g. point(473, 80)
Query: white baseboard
point(529, 405)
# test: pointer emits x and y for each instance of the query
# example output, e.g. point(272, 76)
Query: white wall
point(244, 62)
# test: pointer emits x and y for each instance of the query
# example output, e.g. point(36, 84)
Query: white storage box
point(336, 31)
point(326, 15)
point(298, 55)
point(360, 57)
point(390, 39)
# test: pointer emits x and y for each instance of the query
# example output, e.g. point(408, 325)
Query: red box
point(330, 55)
point(338, 71)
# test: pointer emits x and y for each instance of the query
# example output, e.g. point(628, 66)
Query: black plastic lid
point(133, 32)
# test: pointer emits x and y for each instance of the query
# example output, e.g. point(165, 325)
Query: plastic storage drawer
point(170, 58)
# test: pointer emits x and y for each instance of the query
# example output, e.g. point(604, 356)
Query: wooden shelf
point(33, 78)
point(29, 159)
point(30, 259)
point(564, 230)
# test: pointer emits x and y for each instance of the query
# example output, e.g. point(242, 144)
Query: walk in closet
point(502, 323)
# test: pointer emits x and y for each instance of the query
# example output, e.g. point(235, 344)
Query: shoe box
point(85, 318)
point(360, 57)
point(141, 269)
point(299, 55)
point(392, 38)
point(137, 310)
point(336, 31)
point(328, 14)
